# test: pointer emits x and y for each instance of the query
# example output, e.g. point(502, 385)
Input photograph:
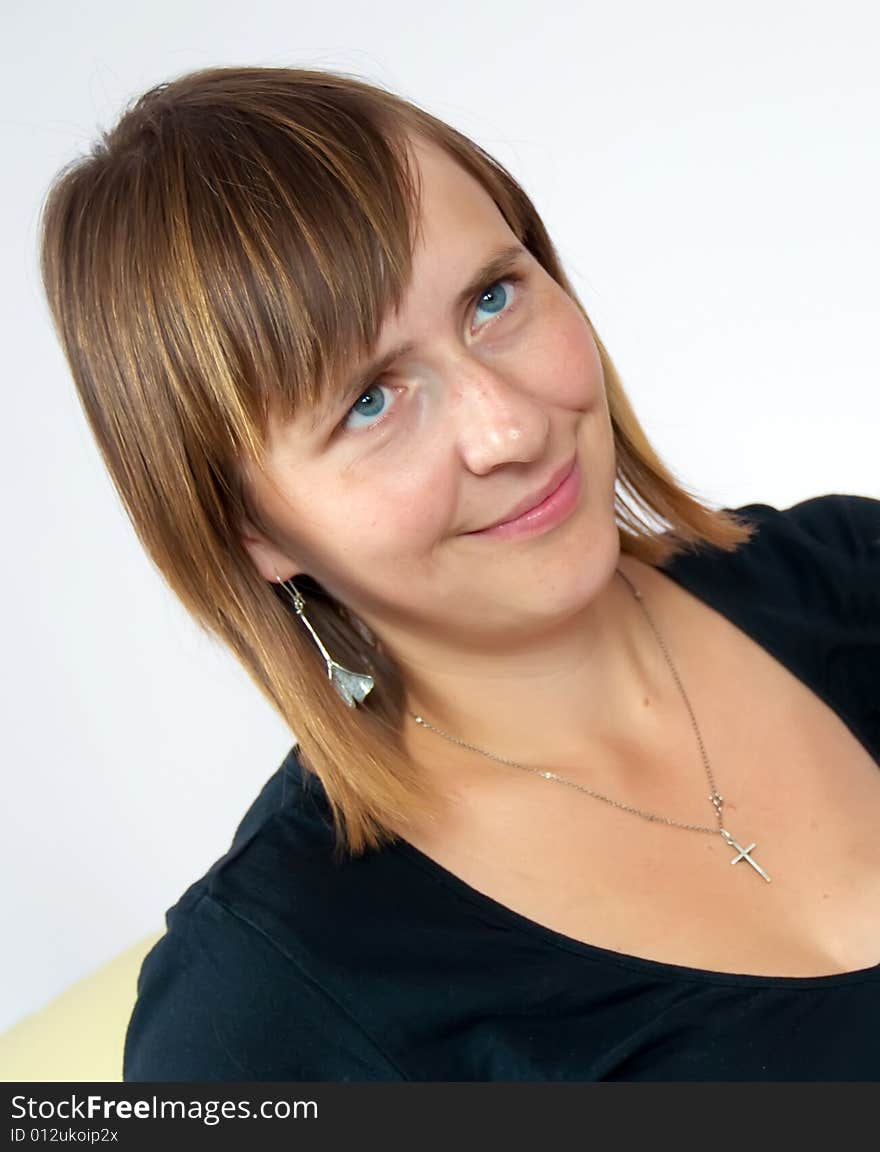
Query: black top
point(279, 965)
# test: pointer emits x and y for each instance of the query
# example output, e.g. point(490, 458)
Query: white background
point(711, 176)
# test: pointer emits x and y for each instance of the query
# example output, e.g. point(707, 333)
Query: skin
point(533, 648)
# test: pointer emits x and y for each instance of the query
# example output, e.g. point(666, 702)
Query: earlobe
point(271, 564)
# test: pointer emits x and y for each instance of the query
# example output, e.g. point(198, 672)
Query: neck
point(593, 687)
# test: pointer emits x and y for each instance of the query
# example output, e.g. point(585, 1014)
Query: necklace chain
point(715, 798)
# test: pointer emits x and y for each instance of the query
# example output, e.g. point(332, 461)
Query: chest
point(796, 783)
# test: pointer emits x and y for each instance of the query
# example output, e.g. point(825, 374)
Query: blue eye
point(498, 295)
point(369, 409)
point(498, 302)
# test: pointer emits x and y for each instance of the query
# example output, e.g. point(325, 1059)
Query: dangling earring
point(351, 686)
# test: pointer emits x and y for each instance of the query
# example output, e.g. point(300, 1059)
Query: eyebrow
point(493, 268)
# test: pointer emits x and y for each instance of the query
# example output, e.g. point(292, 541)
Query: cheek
point(580, 355)
point(566, 357)
point(390, 517)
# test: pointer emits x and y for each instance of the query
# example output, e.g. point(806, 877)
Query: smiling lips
point(535, 499)
point(551, 503)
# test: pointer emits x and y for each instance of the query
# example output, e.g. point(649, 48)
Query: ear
point(266, 557)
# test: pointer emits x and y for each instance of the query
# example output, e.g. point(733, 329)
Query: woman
point(573, 797)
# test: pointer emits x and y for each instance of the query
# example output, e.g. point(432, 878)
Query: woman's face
point(490, 397)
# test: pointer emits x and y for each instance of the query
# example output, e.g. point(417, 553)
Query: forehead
point(453, 206)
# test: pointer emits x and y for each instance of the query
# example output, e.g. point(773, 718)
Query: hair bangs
point(267, 239)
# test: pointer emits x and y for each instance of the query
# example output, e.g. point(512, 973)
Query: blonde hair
point(219, 255)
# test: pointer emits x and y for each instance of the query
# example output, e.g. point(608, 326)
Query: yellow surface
point(80, 1034)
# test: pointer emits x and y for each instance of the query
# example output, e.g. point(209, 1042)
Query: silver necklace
point(715, 798)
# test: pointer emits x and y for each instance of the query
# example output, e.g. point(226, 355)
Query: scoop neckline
point(677, 571)
point(495, 910)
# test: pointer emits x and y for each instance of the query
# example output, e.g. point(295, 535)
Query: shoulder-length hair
point(217, 258)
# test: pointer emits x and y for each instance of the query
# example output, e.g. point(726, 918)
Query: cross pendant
point(744, 855)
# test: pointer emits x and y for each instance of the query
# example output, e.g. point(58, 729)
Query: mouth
point(548, 506)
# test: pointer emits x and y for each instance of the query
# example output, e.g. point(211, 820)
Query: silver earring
point(353, 687)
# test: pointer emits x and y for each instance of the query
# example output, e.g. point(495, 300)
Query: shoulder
point(233, 991)
point(817, 559)
point(819, 555)
point(220, 1001)
point(843, 524)
point(806, 586)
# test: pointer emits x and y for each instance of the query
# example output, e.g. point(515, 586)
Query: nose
point(498, 421)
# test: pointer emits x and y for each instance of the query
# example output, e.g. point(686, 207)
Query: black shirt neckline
point(693, 580)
